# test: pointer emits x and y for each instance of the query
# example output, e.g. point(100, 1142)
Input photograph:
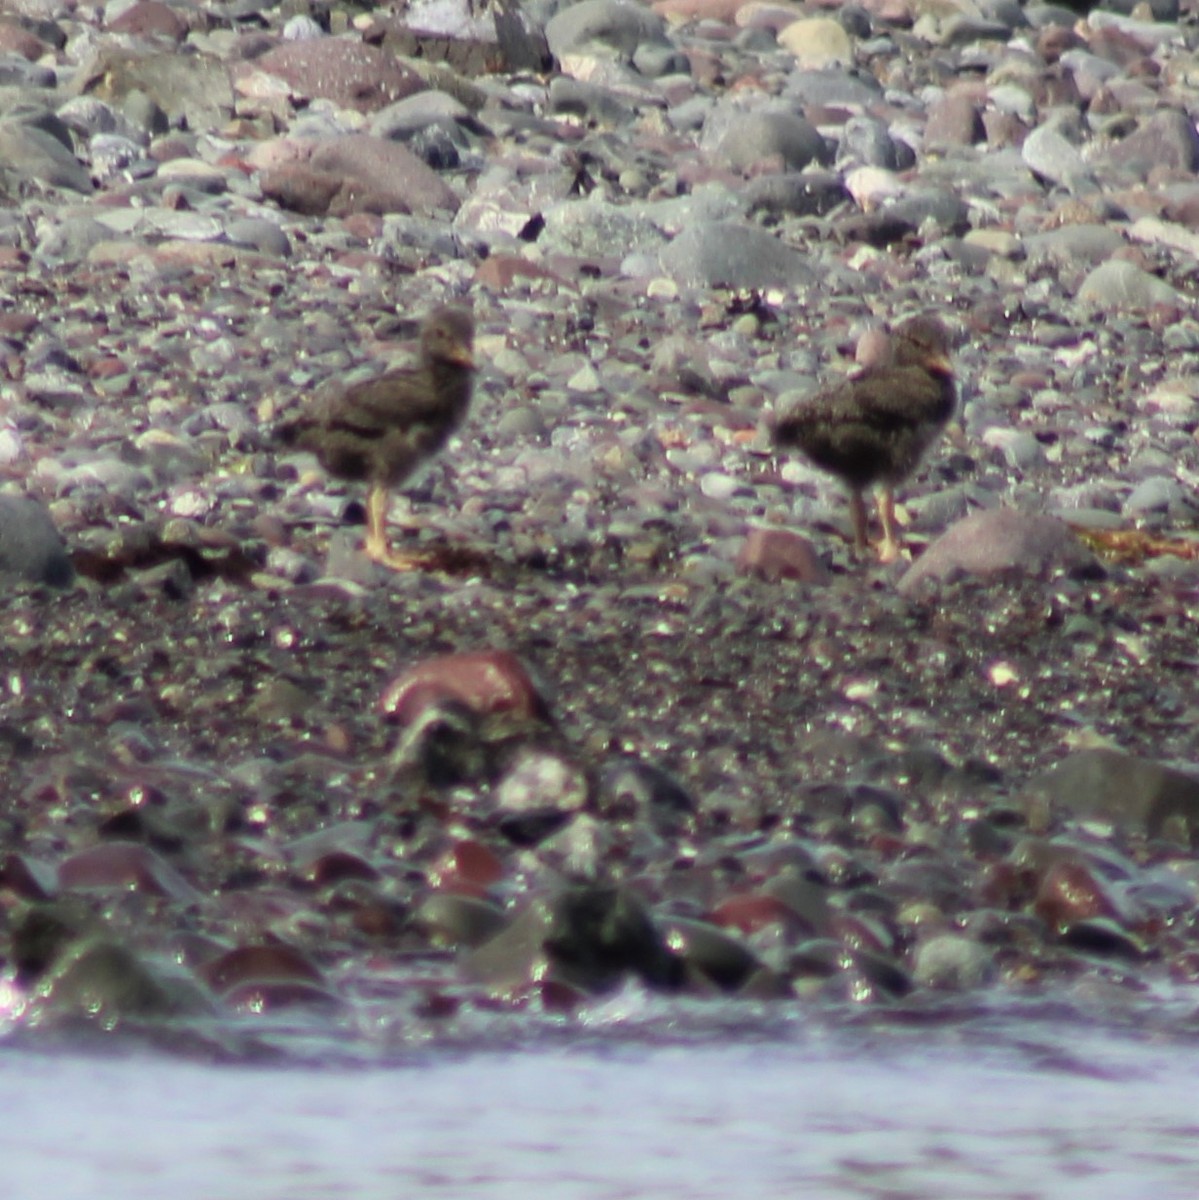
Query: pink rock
point(775, 554)
point(349, 73)
point(300, 188)
point(753, 911)
point(15, 40)
point(387, 171)
point(487, 682)
point(500, 271)
point(995, 541)
point(874, 348)
point(124, 865)
point(150, 18)
point(700, 10)
point(350, 175)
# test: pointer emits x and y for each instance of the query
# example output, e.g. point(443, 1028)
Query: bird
point(875, 428)
point(381, 430)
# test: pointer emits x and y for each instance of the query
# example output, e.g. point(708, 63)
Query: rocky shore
point(647, 723)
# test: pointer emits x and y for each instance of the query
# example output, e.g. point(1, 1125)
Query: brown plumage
point(381, 430)
point(876, 427)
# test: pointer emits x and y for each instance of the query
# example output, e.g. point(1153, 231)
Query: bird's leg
point(857, 512)
point(889, 550)
point(377, 546)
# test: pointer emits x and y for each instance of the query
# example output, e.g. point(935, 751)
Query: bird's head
point(923, 341)
point(448, 337)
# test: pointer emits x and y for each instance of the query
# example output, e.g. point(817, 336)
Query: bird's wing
point(887, 401)
point(377, 407)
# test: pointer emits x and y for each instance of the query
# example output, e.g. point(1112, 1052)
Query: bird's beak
point(461, 356)
point(939, 364)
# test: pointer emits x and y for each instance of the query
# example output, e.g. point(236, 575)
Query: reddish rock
point(775, 554)
point(1071, 891)
point(366, 226)
point(258, 964)
point(18, 324)
point(470, 866)
point(300, 189)
point(954, 120)
point(701, 10)
point(501, 271)
point(753, 911)
point(387, 171)
point(349, 73)
point(487, 682)
point(15, 40)
point(259, 996)
point(150, 18)
point(124, 865)
point(1003, 129)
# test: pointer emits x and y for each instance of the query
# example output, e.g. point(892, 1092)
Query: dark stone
point(31, 547)
point(796, 193)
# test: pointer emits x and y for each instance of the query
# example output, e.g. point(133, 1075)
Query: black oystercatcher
point(874, 428)
point(381, 430)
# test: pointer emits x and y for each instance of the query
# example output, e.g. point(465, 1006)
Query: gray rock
point(30, 545)
point(1119, 284)
point(1089, 71)
point(831, 88)
point(1158, 494)
point(655, 60)
point(588, 101)
point(301, 28)
point(725, 254)
point(145, 113)
point(403, 118)
point(16, 71)
point(593, 228)
point(1162, 10)
point(1134, 793)
point(752, 137)
point(87, 116)
point(952, 962)
point(867, 141)
point(995, 542)
point(259, 234)
point(111, 153)
point(1045, 16)
point(192, 89)
point(69, 242)
point(35, 154)
point(1072, 245)
point(942, 208)
point(605, 24)
point(801, 194)
point(1051, 156)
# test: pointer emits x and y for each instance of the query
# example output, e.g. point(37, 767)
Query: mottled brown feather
point(877, 427)
point(382, 429)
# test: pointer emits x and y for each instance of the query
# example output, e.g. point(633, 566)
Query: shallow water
point(1024, 1110)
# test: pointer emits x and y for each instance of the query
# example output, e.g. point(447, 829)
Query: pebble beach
point(646, 725)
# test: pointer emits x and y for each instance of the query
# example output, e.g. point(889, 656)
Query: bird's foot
point(398, 560)
point(889, 550)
